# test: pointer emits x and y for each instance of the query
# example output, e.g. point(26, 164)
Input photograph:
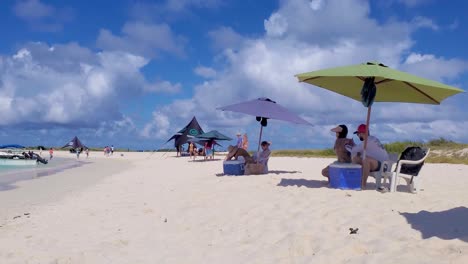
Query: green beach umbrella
point(214, 135)
point(374, 82)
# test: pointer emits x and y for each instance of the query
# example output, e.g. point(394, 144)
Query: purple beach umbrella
point(264, 109)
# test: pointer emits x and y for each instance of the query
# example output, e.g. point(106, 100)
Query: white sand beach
point(142, 208)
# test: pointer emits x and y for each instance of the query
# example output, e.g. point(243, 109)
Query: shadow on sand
point(269, 172)
point(449, 224)
point(203, 160)
point(303, 182)
point(283, 172)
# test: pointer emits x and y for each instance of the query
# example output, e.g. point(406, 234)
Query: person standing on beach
point(51, 153)
point(112, 150)
point(87, 152)
point(209, 149)
point(192, 150)
point(245, 142)
point(239, 140)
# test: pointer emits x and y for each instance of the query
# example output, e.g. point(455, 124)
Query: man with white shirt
point(375, 153)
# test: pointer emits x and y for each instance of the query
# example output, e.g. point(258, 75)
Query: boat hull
point(18, 162)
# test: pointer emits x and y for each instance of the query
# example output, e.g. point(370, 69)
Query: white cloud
point(183, 5)
point(424, 22)
point(205, 72)
point(276, 25)
point(429, 66)
point(225, 38)
point(42, 17)
point(316, 4)
point(414, 3)
point(66, 84)
point(33, 9)
point(265, 67)
point(144, 39)
point(158, 127)
point(163, 86)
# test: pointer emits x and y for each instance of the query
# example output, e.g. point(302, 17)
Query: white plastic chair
point(385, 171)
point(413, 182)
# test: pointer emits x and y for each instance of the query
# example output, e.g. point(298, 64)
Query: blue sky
point(131, 73)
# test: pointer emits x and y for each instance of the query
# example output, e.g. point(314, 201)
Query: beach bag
point(254, 169)
point(412, 153)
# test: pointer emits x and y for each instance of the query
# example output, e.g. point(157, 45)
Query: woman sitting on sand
point(343, 155)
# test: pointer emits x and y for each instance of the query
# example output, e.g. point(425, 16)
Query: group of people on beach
point(108, 151)
point(242, 141)
point(261, 158)
point(207, 151)
point(349, 152)
point(78, 151)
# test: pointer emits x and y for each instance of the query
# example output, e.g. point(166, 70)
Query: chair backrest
point(416, 156)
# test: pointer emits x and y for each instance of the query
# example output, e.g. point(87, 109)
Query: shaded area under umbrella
point(201, 141)
point(264, 109)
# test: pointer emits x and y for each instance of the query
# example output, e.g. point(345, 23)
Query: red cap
point(361, 129)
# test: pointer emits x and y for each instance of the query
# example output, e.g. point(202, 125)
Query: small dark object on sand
point(26, 213)
point(18, 216)
point(353, 230)
point(165, 220)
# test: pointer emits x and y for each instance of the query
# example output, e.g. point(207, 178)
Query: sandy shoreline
point(162, 209)
point(51, 184)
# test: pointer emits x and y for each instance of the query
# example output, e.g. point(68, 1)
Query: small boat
point(16, 160)
point(11, 155)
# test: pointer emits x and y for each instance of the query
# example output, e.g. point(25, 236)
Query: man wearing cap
point(375, 153)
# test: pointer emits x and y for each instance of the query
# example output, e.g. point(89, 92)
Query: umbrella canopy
point(74, 144)
point(214, 134)
point(264, 108)
point(373, 81)
point(392, 85)
point(201, 141)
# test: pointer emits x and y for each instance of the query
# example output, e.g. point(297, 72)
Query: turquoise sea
point(12, 174)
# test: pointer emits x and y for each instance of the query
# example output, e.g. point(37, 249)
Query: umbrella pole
point(259, 141)
point(367, 132)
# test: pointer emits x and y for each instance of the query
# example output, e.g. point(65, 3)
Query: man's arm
point(357, 149)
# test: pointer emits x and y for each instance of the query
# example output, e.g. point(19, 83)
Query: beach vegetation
point(442, 151)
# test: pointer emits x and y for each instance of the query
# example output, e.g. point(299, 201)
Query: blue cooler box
point(233, 167)
point(346, 176)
